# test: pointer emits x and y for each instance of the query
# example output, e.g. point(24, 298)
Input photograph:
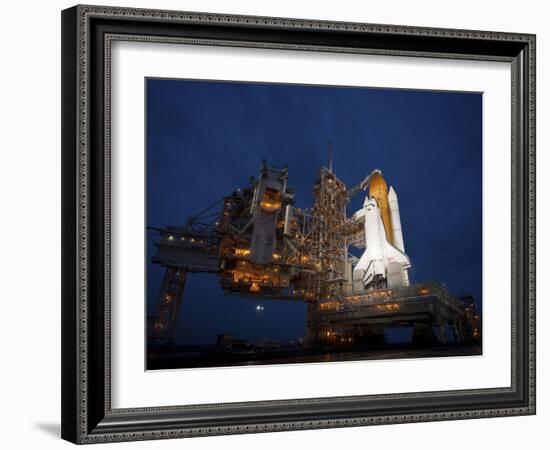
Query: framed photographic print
point(280, 224)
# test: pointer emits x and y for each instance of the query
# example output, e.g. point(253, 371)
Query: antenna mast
point(330, 156)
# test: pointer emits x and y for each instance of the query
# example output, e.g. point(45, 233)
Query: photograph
point(294, 223)
point(276, 220)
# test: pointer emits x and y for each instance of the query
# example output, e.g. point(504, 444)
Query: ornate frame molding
point(83, 421)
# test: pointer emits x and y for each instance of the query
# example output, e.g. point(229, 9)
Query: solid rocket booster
point(396, 220)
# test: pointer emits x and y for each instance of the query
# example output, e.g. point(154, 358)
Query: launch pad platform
point(434, 314)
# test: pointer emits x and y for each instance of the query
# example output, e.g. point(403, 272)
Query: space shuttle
point(384, 264)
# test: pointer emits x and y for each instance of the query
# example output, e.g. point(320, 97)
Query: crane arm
point(362, 185)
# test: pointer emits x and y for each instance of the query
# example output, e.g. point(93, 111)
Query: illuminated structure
point(260, 245)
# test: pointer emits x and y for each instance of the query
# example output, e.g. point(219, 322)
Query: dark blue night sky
point(205, 139)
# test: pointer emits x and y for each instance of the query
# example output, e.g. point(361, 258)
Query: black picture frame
point(87, 415)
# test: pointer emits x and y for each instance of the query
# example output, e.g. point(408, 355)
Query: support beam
point(442, 333)
point(162, 327)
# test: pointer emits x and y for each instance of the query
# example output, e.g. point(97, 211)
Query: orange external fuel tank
point(379, 190)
